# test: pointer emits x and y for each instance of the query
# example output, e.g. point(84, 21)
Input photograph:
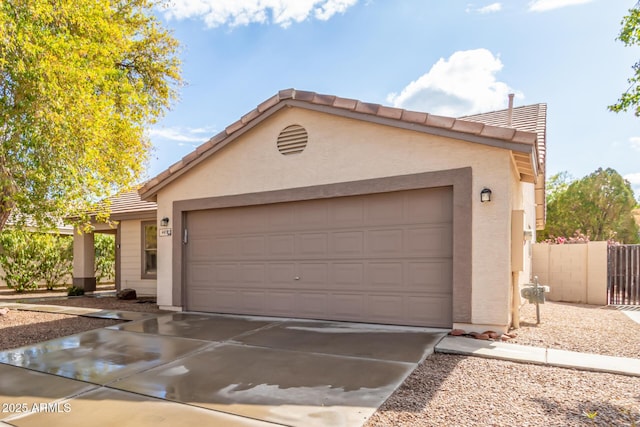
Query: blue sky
point(444, 57)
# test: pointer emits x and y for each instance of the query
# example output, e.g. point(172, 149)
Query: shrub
point(105, 268)
point(29, 258)
point(56, 259)
point(74, 291)
point(19, 260)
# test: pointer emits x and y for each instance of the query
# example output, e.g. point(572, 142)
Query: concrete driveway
point(200, 369)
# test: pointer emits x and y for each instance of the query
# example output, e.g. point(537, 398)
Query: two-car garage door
point(383, 258)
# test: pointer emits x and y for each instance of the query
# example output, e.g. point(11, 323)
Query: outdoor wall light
point(485, 195)
point(164, 221)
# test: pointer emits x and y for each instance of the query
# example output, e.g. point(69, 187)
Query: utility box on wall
point(517, 240)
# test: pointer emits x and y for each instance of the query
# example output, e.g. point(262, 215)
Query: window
point(149, 250)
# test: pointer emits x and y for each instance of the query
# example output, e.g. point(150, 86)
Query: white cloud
point(244, 12)
point(545, 5)
point(490, 8)
point(634, 180)
point(635, 142)
point(463, 84)
point(181, 134)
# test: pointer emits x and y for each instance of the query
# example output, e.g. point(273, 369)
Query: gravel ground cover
point(448, 390)
point(451, 390)
point(579, 327)
point(19, 328)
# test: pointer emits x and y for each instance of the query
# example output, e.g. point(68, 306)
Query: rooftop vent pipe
point(510, 111)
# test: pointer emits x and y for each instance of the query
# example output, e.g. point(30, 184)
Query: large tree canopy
point(599, 206)
point(630, 36)
point(79, 81)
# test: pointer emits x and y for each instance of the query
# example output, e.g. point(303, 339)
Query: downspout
point(515, 276)
point(515, 300)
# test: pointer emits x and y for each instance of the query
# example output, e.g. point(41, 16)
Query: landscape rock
point(126, 294)
point(492, 334)
point(457, 332)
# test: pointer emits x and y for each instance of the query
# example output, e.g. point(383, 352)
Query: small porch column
point(84, 275)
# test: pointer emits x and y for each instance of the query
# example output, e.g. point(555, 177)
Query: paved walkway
point(538, 355)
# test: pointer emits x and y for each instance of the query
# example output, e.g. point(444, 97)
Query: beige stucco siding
point(342, 150)
point(131, 259)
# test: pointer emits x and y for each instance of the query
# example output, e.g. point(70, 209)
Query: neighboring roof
point(519, 141)
point(30, 224)
point(129, 205)
point(528, 118)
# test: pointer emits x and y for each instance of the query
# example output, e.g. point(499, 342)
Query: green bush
point(29, 258)
point(74, 291)
point(56, 259)
point(105, 267)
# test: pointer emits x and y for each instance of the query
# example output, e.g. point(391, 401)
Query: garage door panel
point(311, 304)
point(384, 242)
point(281, 245)
point(384, 209)
point(385, 275)
point(387, 308)
point(219, 300)
point(253, 246)
point(436, 204)
point(430, 310)
point(280, 217)
point(434, 241)
point(346, 306)
point(347, 243)
point(225, 247)
point(280, 303)
point(348, 213)
point(311, 214)
point(379, 258)
point(223, 274)
point(251, 274)
point(201, 273)
point(198, 249)
point(281, 274)
point(429, 276)
point(347, 275)
point(312, 275)
point(252, 301)
point(312, 244)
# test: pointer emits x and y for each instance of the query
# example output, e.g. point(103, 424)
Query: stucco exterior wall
point(342, 150)
point(131, 259)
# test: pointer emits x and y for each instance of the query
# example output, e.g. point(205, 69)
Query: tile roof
point(523, 141)
point(130, 202)
point(528, 118)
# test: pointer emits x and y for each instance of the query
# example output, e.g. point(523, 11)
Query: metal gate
point(623, 275)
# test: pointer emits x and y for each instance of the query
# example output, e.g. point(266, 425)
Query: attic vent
point(292, 140)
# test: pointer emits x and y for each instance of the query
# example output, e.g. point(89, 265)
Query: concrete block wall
point(575, 272)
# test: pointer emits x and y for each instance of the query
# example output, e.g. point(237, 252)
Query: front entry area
point(380, 258)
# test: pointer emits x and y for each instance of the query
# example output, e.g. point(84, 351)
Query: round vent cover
point(292, 140)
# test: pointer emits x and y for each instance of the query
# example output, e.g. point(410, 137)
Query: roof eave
point(495, 136)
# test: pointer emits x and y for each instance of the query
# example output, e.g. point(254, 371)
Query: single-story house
point(316, 206)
